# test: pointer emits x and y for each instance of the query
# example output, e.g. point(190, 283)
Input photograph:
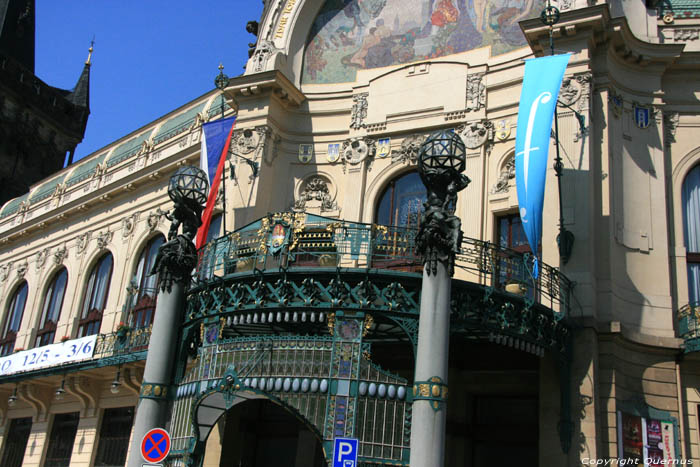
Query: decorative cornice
point(266, 83)
point(597, 23)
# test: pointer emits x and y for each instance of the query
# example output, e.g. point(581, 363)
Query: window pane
point(401, 203)
point(214, 228)
point(13, 319)
point(16, 442)
point(16, 309)
point(691, 230)
point(53, 301)
point(95, 298)
point(114, 437)
point(143, 303)
point(65, 426)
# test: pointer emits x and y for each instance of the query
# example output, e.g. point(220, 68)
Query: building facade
point(300, 324)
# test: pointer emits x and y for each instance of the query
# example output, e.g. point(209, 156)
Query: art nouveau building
point(301, 322)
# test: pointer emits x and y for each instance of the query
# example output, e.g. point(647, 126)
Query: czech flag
point(216, 139)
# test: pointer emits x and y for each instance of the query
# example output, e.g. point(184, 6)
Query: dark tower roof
point(17, 31)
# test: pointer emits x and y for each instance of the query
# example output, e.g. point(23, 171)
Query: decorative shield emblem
point(333, 152)
point(278, 238)
point(641, 116)
point(212, 334)
point(306, 153)
point(503, 130)
point(383, 147)
point(616, 102)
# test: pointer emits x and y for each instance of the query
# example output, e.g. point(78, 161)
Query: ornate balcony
point(289, 272)
point(688, 329)
point(285, 242)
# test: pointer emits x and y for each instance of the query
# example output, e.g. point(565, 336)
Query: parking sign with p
point(345, 452)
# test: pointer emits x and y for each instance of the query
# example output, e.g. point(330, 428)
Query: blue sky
point(150, 57)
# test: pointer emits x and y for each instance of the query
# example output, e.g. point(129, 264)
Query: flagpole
point(221, 81)
point(565, 239)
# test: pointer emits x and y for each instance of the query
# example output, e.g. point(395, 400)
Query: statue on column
point(440, 164)
point(177, 257)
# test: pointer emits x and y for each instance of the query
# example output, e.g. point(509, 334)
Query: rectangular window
point(16, 442)
point(65, 426)
point(114, 437)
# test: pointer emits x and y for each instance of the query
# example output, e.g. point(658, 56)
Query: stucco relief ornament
point(356, 150)
point(476, 133)
point(507, 174)
point(670, 125)
point(315, 190)
point(60, 255)
point(410, 147)
point(82, 242)
point(570, 92)
point(103, 239)
point(686, 34)
point(154, 219)
point(5, 271)
point(245, 142)
point(22, 269)
point(41, 257)
point(262, 54)
point(476, 92)
point(128, 224)
point(358, 114)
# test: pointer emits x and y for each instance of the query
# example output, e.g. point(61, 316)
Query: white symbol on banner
point(541, 99)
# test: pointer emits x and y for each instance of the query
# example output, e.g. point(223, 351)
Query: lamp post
point(176, 259)
point(550, 16)
point(441, 162)
point(221, 81)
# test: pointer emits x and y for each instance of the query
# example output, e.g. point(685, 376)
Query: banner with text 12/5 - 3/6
point(69, 351)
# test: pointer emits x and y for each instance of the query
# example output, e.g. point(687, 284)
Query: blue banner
point(541, 83)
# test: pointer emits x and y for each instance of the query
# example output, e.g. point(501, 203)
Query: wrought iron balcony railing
point(688, 326)
point(297, 240)
point(119, 344)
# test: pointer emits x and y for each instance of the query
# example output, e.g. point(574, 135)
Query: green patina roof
point(128, 149)
point(12, 206)
point(680, 8)
point(85, 170)
point(178, 123)
point(47, 189)
point(215, 107)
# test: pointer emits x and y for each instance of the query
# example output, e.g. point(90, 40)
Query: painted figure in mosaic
point(352, 35)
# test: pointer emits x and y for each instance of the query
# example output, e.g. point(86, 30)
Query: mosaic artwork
point(351, 35)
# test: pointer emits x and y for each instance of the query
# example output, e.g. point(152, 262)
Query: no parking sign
point(155, 445)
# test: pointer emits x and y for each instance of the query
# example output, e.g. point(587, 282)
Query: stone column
point(440, 163)
point(174, 264)
point(153, 407)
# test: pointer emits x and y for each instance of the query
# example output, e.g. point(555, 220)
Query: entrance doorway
point(259, 433)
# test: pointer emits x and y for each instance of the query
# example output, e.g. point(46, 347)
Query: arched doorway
point(260, 433)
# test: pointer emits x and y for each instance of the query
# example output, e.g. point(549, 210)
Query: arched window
point(95, 298)
point(691, 229)
point(144, 295)
point(400, 206)
point(13, 319)
point(402, 201)
point(51, 309)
